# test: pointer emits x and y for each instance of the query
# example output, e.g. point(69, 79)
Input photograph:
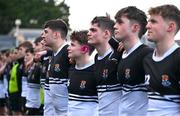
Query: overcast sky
point(83, 11)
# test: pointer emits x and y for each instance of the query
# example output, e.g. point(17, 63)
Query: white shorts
point(33, 98)
point(79, 108)
point(59, 95)
point(109, 103)
point(133, 103)
point(163, 108)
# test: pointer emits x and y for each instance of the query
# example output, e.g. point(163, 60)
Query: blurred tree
point(33, 13)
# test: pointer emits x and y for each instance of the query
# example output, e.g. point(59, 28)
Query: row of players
point(125, 77)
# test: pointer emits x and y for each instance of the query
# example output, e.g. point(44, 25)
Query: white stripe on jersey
point(57, 81)
point(46, 86)
point(139, 87)
point(107, 88)
point(83, 98)
point(170, 98)
point(42, 82)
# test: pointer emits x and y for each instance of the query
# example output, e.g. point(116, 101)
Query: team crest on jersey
point(105, 73)
point(127, 73)
point(83, 84)
point(56, 68)
point(165, 80)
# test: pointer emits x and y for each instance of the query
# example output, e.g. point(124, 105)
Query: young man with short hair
point(83, 98)
point(163, 65)
point(109, 90)
point(129, 28)
point(54, 36)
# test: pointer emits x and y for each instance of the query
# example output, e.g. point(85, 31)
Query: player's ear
point(171, 26)
point(84, 49)
point(135, 27)
point(107, 33)
point(57, 34)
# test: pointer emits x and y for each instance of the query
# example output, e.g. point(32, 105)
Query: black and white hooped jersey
point(34, 76)
point(33, 91)
point(163, 77)
point(45, 62)
point(130, 69)
point(58, 67)
point(82, 84)
point(106, 72)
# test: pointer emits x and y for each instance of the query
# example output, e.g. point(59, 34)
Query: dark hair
point(104, 23)
point(57, 25)
point(133, 14)
point(168, 12)
point(26, 44)
point(30, 50)
point(82, 38)
point(38, 40)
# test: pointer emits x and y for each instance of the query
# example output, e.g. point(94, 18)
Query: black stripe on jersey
point(109, 88)
point(46, 86)
point(83, 98)
point(42, 81)
point(170, 98)
point(57, 81)
point(141, 87)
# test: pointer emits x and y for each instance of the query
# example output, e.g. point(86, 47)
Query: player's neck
point(82, 61)
point(101, 49)
point(129, 43)
point(58, 45)
point(163, 46)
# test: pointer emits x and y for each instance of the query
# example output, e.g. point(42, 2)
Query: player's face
point(48, 36)
point(95, 35)
point(38, 47)
point(74, 50)
point(156, 28)
point(22, 52)
point(14, 55)
point(28, 57)
point(122, 29)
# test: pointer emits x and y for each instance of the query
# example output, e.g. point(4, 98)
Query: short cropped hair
point(104, 23)
point(38, 40)
point(133, 14)
point(82, 38)
point(30, 50)
point(26, 44)
point(168, 12)
point(57, 25)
